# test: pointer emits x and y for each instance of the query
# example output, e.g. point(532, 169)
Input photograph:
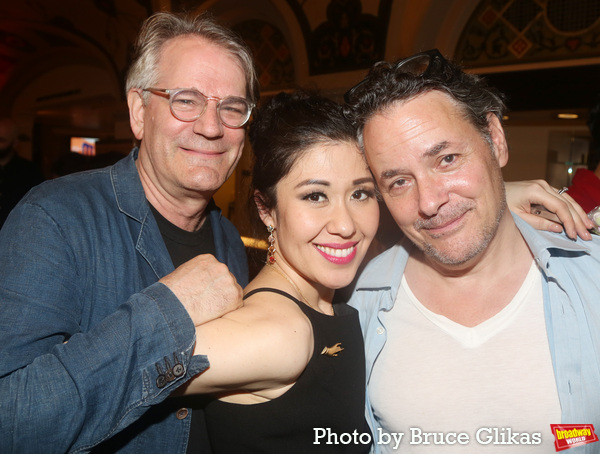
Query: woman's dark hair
point(284, 128)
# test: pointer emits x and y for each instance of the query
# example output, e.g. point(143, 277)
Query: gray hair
point(164, 26)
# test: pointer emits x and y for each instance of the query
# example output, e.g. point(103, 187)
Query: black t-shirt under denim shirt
point(183, 246)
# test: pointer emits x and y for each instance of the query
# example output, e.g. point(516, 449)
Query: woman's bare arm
point(262, 346)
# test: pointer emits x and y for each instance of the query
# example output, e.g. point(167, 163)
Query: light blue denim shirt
point(86, 330)
point(571, 286)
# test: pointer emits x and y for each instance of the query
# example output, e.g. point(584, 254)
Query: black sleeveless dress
point(329, 394)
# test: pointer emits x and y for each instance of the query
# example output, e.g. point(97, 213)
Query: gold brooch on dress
point(332, 351)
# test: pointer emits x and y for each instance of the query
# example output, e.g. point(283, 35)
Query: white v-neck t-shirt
point(490, 381)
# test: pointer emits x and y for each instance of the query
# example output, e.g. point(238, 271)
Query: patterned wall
point(272, 54)
point(348, 39)
point(515, 31)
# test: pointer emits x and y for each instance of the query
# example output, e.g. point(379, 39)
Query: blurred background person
point(585, 188)
point(17, 174)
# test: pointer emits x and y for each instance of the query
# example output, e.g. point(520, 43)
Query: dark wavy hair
point(385, 85)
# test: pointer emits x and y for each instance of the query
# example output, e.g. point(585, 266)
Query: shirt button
point(380, 330)
point(178, 370)
point(182, 413)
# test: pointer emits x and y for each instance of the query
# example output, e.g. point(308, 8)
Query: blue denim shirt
point(85, 328)
point(571, 286)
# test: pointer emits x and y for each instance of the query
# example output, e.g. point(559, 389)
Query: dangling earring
point(271, 249)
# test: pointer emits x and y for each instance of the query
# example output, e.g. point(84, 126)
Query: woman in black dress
point(288, 367)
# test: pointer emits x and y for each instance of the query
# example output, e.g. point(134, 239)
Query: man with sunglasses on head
point(104, 275)
point(480, 331)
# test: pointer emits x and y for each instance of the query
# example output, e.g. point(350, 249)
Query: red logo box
point(568, 436)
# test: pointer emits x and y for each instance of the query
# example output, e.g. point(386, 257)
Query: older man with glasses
point(104, 275)
point(480, 332)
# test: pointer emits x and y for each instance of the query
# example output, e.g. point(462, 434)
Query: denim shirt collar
point(131, 200)
point(384, 272)
point(129, 192)
point(544, 245)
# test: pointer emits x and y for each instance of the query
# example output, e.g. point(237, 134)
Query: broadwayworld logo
point(568, 436)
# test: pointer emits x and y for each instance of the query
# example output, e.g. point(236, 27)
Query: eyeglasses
point(188, 104)
point(422, 64)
